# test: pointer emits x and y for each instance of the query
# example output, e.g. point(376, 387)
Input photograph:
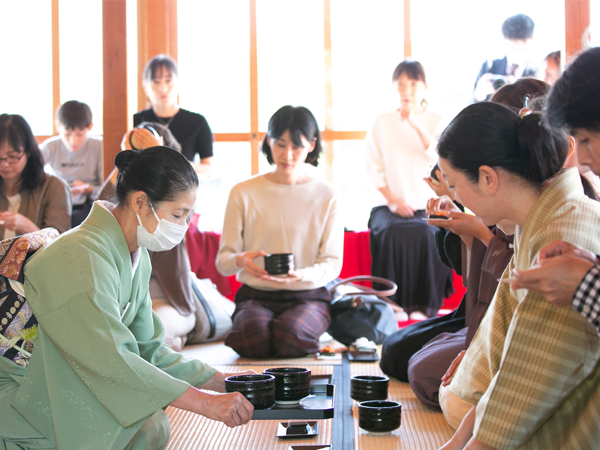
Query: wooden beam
point(577, 21)
point(55, 62)
point(232, 137)
point(254, 133)
point(329, 135)
point(407, 37)
point(114, 52)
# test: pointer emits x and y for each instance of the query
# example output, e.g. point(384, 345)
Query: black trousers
point(404, 251)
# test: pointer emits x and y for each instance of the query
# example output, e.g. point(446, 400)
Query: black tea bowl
point(291, 384)
point(379, 417)
point(279, 263)
point(367, 387)
point(258, 389)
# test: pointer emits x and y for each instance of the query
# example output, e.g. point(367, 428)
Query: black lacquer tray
point(318, 405)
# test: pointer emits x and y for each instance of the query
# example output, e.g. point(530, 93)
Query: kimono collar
point(135, 255)
point(564, 188)
point(101, 217)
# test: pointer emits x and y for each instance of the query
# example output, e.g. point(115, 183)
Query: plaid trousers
point(278, 323)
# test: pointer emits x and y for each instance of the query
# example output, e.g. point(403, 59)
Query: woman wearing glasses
point(30, 199)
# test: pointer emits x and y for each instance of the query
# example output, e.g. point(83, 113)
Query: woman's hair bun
point(124, 158)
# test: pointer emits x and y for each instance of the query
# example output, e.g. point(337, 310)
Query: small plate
point(310, 447)
point(288, 402)
point(313, 426)
point(362, 355)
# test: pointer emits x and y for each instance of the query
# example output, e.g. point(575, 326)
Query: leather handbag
point(358, 311)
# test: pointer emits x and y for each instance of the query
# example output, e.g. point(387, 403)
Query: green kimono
point(99, 369)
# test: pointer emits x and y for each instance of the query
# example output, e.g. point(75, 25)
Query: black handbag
point(358, 311)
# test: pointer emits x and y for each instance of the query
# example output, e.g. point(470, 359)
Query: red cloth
point(204, 246)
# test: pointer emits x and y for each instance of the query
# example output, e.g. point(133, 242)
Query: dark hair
point(554, 56)
point(168, 138)
point(493, 135)
point(413, 70)
point(588, 188)
point(513, 94)
point(161, 172)
point(574, 100)
point(15, 130)
point(152, 66)
point(74, 114)
point(301, 122)
point(518, 27)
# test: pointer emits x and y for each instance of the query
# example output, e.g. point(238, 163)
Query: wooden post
point(407, 38)
point(55, 62)
point(114, 52)
point(328, 144)
point(577, 21)
point(254, 133)
point(157, 33)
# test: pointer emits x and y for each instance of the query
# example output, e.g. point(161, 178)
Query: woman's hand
point(292, 276)
point(139, 139)
point(442, 188)
point(443, 203)
point(464, 225)
point(246, 261)
point(79, 187)
point(561, 268)
point(231, 409)
point(447, 378)
point(17, 222)
point(401, 208)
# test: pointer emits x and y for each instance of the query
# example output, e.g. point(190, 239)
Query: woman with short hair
point(283, 211)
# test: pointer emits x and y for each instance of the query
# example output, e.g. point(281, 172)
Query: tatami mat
point(191, 431)
point(217, 353)
point(420, 429)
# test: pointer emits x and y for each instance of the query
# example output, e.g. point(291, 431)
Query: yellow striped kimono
point(533, 368)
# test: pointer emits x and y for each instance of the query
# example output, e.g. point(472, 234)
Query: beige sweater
point(303, 219)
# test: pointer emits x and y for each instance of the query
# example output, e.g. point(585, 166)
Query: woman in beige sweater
point(284, 211)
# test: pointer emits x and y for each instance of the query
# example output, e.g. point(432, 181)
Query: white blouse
point(397, 158)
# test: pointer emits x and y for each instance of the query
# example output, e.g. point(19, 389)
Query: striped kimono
point(533, 368)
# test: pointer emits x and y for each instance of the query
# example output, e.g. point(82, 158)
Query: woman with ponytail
point(526, 371)
point(100, 375)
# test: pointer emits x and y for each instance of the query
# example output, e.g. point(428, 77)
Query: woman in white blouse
point(284, 211)
point(400, 149)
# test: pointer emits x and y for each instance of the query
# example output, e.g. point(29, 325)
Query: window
point(80, 38)
point(214, 62)
point(453, 43)
point(26, 78)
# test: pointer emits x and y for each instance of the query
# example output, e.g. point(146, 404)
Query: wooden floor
point(421, 428)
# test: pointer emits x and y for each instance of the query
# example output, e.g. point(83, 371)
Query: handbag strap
point(393, 287)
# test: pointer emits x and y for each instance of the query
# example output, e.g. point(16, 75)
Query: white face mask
point(166, 236)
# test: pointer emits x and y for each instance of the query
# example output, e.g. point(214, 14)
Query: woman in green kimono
point(100, 375)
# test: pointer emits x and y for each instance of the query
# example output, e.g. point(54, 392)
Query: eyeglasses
point(12, 158)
